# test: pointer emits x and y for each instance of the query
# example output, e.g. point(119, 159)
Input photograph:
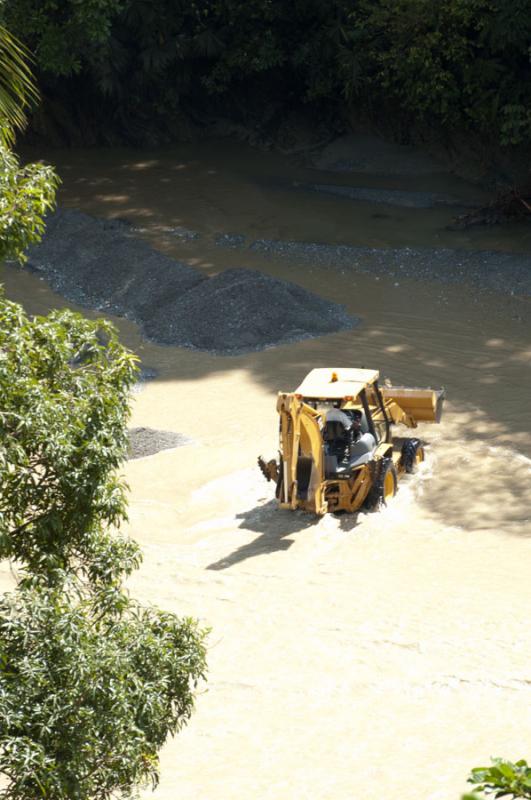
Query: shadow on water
point(481, 480)
point(347, 522)
point(209, 184)
point(273, 524)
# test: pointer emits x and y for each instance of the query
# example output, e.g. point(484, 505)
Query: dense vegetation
point(26, 193)
point(91, 683)
point(129, 68)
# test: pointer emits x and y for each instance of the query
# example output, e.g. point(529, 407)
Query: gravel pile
point(508, 273)
point(241, 310)
point(100, 264)
point(148, 441)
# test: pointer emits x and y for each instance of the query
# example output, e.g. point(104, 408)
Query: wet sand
point(367, 656)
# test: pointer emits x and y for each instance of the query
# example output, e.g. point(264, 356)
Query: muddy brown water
point(367, 656)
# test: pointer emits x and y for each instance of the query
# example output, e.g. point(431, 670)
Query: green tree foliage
point(91, 683)
point(63, 36)
point(453, 64)
point(26, 193)
point(89, 695)
point(502, 779)
point(16, 84)
point(65, 385)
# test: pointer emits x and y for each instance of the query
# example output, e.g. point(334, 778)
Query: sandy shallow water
point(369, 656)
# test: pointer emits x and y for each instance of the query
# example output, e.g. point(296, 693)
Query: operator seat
point(362, 450)
point(342, 454)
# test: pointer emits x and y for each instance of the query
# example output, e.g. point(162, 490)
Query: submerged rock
point(102, 265)
point(369, 154)
point(392, 197)
point(145, 375)
point(230, 239)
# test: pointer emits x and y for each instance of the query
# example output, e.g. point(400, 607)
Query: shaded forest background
point(149, 71)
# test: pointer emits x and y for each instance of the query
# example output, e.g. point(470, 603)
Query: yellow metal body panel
point(384, 449)
point(422, 405)
point(336, 383)
point(301, 477)
point(397, 414)
point(348, 495)
point(300, 437)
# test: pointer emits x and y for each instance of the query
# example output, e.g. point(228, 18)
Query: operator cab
point(353, 418)
point(348, 442)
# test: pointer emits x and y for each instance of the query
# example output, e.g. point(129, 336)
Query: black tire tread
point(409, 452)
point(375, 499)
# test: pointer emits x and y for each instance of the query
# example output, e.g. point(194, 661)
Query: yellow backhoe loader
point(337, 452)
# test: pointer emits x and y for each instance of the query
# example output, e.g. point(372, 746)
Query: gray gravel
point(241, 310)
point(393, 197)
point(230, 239)
point(148, 441)
point(101, 265)
point(508, 273)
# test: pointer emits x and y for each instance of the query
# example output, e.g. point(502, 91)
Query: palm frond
point(17, 87)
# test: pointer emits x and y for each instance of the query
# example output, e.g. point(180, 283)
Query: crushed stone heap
point(100, 264)
point(241, 310)
point(148, 441)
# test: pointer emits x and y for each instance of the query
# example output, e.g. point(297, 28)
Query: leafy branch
point(502, 779)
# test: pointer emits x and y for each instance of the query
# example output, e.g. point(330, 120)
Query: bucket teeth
point(269, 469)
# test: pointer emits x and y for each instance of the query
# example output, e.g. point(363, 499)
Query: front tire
point(412, 454)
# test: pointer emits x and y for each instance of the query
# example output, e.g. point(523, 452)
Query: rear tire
point(385, 484)
point(412, 454)
point(304, 473)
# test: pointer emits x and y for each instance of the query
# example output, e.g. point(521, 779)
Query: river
point(370, 656)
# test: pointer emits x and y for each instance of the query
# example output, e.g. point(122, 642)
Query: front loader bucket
point(423, 405)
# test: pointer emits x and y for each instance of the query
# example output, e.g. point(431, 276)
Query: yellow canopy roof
point(335, 383)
